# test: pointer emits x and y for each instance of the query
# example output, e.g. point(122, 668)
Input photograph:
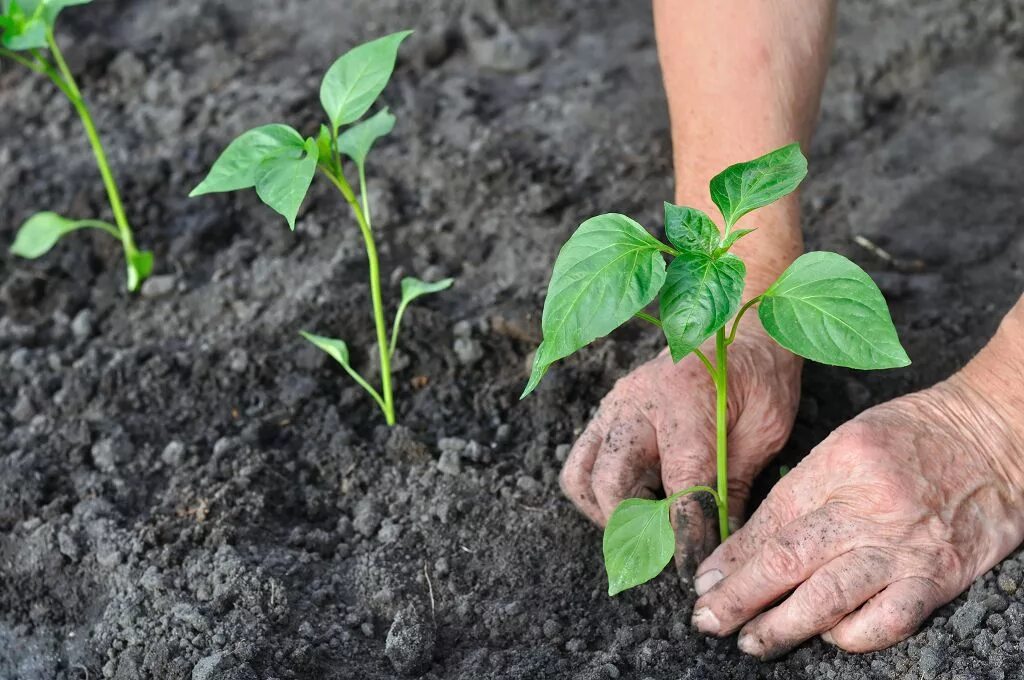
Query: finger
point(818, 604)
point(784, 561)
point(778, 509)
point(575, 478)
point(627, 463)
point(892, 615)
point(688, 459)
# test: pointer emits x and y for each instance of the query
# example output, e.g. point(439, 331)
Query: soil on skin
point(188, 490)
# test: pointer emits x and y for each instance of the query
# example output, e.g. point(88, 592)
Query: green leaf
point(358, 77)
point(336, 349)
point(638, 543)
point(690, 229)
point(827, 309)
point(284, 180)
point(609, 270)
point(357, 141)
point(730, 240)
point(40, 233)
point(700, 295)
point(239, 167)
point(747, 186)
point(325, 147)
point(413, 288)
point(140, 266)
point(23, 25)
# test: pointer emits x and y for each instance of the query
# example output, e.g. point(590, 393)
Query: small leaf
point(700, 295)
point(357, 78)
point(284, 180)
point(357, 141)
point(690, 229)
point(240, 166)
point(638, 543)
point(40, 233)
point(140, 266)
point(413, 288)
point(827, 309)
point(747, 186)
point(325, 148)
point(610, 269)
point(337, 349)
point(24, 26)
point(730, 240)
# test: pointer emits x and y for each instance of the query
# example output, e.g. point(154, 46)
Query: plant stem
point(693, 489)
point(736, 321)
point(67, 84)
point(722, 430)
point(375, 291)
point(647, 317)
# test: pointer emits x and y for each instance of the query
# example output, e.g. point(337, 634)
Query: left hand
point(892, 516)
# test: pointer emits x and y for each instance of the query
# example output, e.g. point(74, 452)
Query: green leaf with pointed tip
point(827, 309)
point(609, 270)
point(325, 147)
point(357, 141)
point(284, 180)
point(40, 233)
point(140, 266)
point(700, 295)
point(747, 186)
point(240, 166)
point(413, 288)
point(357, 78)
point(336, 349)
point(690, 229)
point(730, 240)
point(638, 543)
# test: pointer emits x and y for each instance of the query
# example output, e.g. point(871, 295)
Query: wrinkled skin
point(889, 518)
point(656, 430)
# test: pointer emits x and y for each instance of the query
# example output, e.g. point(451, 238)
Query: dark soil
point(188, 490)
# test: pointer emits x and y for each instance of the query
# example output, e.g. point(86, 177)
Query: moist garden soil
point(188, 490)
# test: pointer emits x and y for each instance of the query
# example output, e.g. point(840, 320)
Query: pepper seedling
point(280, 164)
point(823, 307)
point(27, 35)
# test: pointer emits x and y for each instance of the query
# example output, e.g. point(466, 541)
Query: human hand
point(656, 429)
point(892, 516)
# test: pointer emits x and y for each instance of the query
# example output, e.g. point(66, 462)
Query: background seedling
point(280, 164)
point(823, 307)
point(27, 34)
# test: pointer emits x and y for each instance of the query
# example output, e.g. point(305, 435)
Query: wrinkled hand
point(898, 511)
point(656, 430)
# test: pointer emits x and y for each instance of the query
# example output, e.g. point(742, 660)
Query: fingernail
point(749, 644)
point(827, 637)
point(706, 621)
point(706, 581)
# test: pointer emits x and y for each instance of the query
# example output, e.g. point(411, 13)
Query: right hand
point(656, 431)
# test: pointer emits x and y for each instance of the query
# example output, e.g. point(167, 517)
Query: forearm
point(743, 77)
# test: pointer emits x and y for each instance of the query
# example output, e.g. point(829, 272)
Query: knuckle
point(572, 479)
point(826, 597)
point(780, 559)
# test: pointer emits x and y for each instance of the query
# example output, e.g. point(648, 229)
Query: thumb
point(694, 516)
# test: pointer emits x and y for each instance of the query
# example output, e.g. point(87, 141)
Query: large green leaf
point(700, 295)
point(357, 78)
point(240, 166)
point(638, 543)
point(747, 186)
point(690, 229)
point(609, 270)
point(357, 141)
point(284, 180)
point(827, 309)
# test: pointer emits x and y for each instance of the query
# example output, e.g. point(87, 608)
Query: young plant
point(27, 35)
point(823, 307)
point(280, 164)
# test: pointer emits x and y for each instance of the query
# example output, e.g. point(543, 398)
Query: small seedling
point(823, 307)
point(280, 164)
point(27, 34)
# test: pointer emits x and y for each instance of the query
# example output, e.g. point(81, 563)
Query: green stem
point(68, 85)
point(98, 224)
point(27, 63)
point(375, 292)
point(722, 430)
point(693, 489)
point(647, 317)
point(736, 322)
point(707, 364)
